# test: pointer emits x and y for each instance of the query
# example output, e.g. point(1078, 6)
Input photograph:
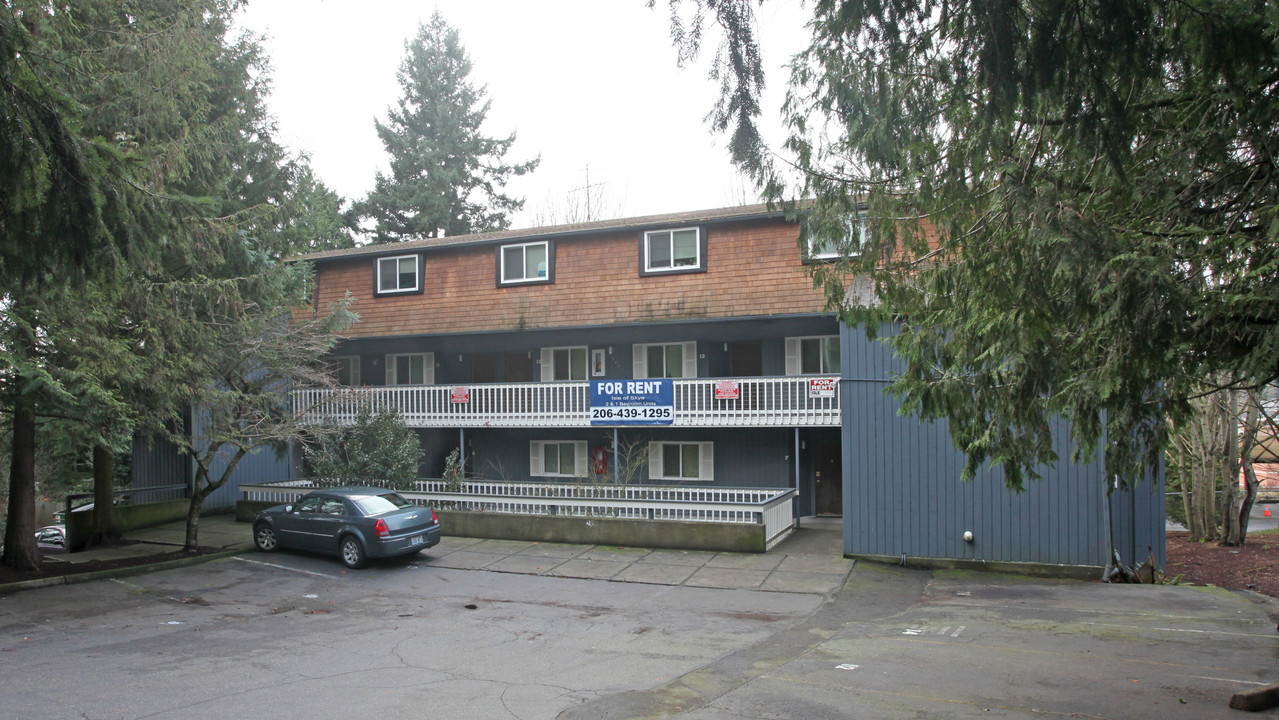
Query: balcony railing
point(791, 401)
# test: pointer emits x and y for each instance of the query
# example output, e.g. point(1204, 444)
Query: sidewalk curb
point(73, 579)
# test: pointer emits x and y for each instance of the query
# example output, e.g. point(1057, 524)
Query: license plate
point(417, 540)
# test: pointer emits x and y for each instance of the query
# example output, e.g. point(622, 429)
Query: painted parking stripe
point(285, 567)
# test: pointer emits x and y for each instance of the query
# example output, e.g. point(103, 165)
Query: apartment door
point(519, 368)
point(746, 360)
point(483, 368)
point(829, 481)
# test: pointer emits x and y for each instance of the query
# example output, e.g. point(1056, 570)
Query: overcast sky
point(583, 83)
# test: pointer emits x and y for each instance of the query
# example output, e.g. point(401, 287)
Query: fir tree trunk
point(104, 531)
point(20, 550)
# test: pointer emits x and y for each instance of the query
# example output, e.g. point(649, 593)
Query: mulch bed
point(53, 568)
point(1252, 566)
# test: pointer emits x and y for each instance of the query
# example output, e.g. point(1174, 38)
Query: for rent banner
point(632, 402)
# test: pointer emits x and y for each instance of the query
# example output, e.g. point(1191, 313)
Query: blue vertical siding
point(903, 493)
point(157, 463)
point(265, 464)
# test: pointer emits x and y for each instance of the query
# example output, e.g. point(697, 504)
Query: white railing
point(704, 402)
point(771, 507)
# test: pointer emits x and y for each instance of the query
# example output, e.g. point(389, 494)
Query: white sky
point(581, 82)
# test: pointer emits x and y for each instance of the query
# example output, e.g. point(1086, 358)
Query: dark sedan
point(354, 523)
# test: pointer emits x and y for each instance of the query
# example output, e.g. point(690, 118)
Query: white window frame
point(697, 245)
point(545, 275)
point(705, 461)
point(428, 368)
point(795, 358)
point(352, 363)
point(639, 359)
point(548, 363)
point(537, 458)
point(856, 226)
point(417, 274)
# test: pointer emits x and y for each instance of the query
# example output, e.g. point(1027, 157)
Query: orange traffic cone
point(1267, 512)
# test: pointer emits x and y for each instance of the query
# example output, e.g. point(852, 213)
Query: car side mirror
point(288, 508)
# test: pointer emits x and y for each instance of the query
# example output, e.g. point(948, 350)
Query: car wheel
point(264, 538)
point(352, 552)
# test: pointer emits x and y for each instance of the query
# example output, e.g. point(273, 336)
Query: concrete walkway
point(809, 561)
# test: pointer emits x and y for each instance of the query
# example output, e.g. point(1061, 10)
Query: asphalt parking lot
point(291, 636)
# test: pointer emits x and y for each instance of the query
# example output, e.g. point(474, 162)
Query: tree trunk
point(203, 489)
point(1201, 490)
point(1183, 477)
point(1229, 426)
point(1251, 426)
point(20, 550)
point(104, 531)
point(192, 542)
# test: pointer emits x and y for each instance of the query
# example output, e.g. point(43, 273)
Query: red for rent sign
point(822, 387)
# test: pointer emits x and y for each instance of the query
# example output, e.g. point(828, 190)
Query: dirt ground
point(1255, 566)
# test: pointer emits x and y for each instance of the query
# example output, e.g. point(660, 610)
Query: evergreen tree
point(1073, 204)
point(446, 177)
point(89, 150)
point(141, 227)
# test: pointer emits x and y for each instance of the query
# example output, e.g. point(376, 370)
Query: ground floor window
point(557, 458)
point(681, 461)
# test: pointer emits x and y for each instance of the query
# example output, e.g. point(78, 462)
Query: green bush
point(378, 450)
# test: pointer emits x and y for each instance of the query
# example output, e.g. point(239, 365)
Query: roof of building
point(740, 212)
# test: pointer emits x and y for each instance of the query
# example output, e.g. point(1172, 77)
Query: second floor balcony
point(791, 401)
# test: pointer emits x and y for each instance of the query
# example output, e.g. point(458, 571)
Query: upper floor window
point(856, 233)
point(401, 274)
point(668, 251)
point(346, 368)
point(812, 355)
point(681, 461)
point(563, 363)
point(665, 360)
point(525, 263)
point(410, 369)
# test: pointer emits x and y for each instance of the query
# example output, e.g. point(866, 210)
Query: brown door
point(519, 368)
point(829, 482)
point(746, 359)
point(483, 368)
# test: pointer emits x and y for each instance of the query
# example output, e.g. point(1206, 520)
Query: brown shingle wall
point(753, 269)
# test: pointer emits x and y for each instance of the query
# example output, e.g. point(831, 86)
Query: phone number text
point(630, 413)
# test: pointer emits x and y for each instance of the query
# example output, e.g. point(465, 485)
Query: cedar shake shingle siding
point(753, 268)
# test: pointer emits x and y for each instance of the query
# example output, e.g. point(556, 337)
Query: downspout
point(798, 512)
point(1111, 569)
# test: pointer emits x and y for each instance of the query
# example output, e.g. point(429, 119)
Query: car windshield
point(378, 504)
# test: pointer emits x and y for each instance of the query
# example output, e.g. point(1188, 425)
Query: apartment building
point(687, 348)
